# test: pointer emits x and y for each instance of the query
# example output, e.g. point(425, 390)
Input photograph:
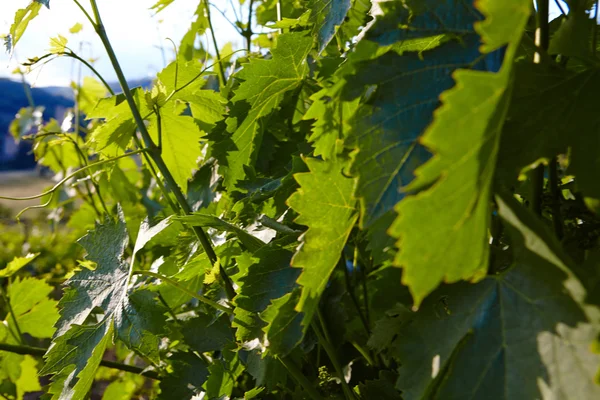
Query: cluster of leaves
point(378, 200)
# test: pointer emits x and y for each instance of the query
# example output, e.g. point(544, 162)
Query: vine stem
point(176, 285)
point(325, 341)
point(248, 32)
point(71, 175)
point(299, 377)
point(214, 40)
point(12, 314)
point(39, 352)
point(155, 151)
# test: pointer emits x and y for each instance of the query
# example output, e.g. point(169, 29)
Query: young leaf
point(326, 206)
point(16, 264)
point(22, 19)
point(453, 244)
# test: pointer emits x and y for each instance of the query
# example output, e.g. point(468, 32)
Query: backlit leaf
point(327, 207)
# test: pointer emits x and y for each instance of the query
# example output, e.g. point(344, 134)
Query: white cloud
point(136, 34)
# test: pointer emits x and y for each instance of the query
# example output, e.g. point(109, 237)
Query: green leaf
point(58, 45)
point(382, 388)
point(328, 15)
point(161, 5)
point(189, 374)
point(269, 277)
point(36, 314)
point(28, 382)
point(284, 324)
point(521, 335)
point(264, 84)
point(387, 128)
point(76, 28)
point(135, 319)
point(533, 132)
point(23, 17)
point(198, 27)
point(112, 137)
point(16, 264)
point(179, 137)
point(204, 334)
point(74, 358)
point(453, 245)
point(327, 207)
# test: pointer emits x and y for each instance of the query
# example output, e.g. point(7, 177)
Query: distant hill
point(54, 99)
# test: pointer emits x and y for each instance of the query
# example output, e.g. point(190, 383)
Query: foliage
point(376, 200)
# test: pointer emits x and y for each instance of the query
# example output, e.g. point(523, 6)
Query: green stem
point(176, 285)
point(84, 11)
point(71, 175)
point(40, 352)
point(248, 32)
point(156, 157)
point(214, 40)
point(325, 341)
point(299, 377)
point(87, 64)
point(12, 314)
point(350, 291)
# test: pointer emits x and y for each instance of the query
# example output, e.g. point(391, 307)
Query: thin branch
point(40, 352)
point(325, 341)
point(12, 314)
point(87, 15)
point(214, 40)
point(176, 285)
point(71, 175)
point(299, 377)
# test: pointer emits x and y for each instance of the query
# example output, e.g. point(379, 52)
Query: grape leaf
point(327, 207)
point(327, 15)
point(112, 137)
point(264, 84)
point(204, 334)
point(387, 128)
point(23, 17)
point(534, 132)
point(189, 374)
point(36, 314)
point(269, 277)
point(28, 381)
point(179, 137)
point(16, 264)
point(161, 5)
point(523, 334)
point(284, 324)
point(453, 245)
point(135, 319)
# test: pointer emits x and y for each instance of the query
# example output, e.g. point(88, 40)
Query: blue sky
point(136, 32)
point(137, 35)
